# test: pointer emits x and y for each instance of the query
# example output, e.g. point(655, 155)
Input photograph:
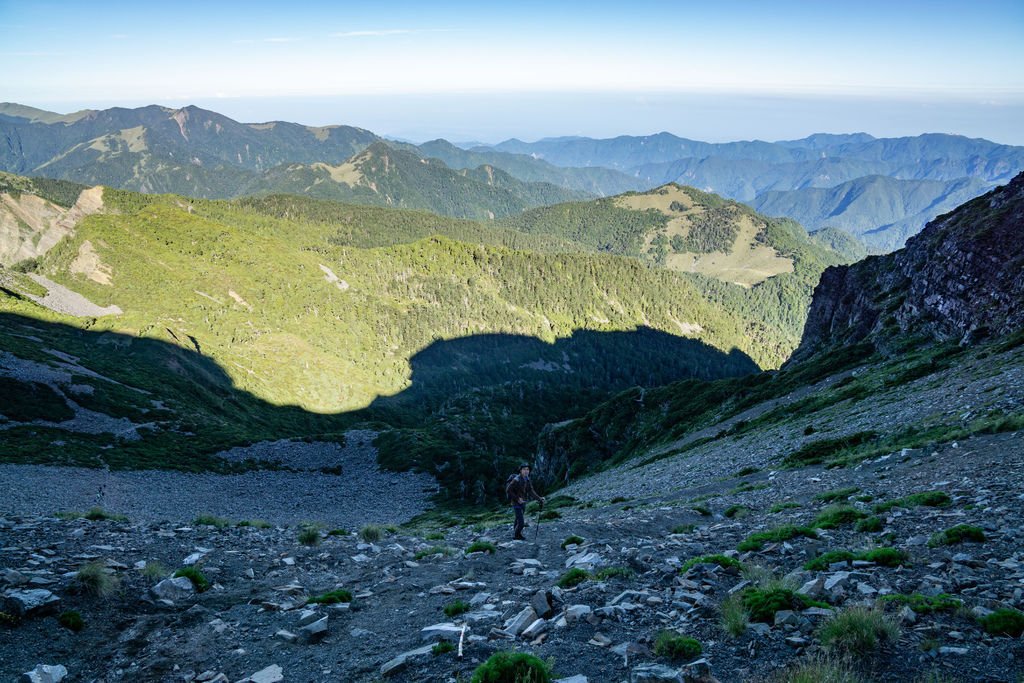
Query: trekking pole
point(536, 530)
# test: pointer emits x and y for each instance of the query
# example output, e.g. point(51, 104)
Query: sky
point(723, 70)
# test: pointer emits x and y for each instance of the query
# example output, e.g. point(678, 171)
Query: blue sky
point(710, 70)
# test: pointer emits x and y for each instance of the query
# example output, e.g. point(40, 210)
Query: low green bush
point(371, 533)
point(1004, 622)
point(869, 525)
point(720, 560)
point(836, 516)
point(923, 604)
point(757, 540)
point(614, 573)
point(332, 597)
point(433, 550)
point(572, 540)
point(837, 495)
point(512, 667)
point(71, 620)
point(958, 534)
point(684, 529)
point(455, 608)
point(738, 511)
point(886, 557)
point(199, 581)
point(481, 547)
point(572, 578)
point(935, 499)
point(99, 515)
point(822, 562)
point(702, 510)
point(762, 603)
point(441, 647)
point(434, 536)
point(786, 505)
point(676, 647)
point(211, 520)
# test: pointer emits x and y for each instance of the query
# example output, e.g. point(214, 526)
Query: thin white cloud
point(388, 32)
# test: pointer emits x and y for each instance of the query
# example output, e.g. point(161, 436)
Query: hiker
point(519, 489)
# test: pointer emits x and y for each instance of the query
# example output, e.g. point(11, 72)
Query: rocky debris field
point(899, 596)
point(321, 482)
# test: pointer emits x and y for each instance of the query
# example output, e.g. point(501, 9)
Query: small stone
point(946, 650)
point(315, 631)
point(286, 636)
point(23, 603)
point(578, 678)
point(536, 628)
point(521, 621)
point(577, 612)
point(654, 673)
point(443, 631)
point(786, 617)
point(541, 604)
point(601, 640)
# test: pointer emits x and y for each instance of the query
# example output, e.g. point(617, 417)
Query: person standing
point(519, 490)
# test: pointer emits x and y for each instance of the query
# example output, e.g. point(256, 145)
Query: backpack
point(508, 486)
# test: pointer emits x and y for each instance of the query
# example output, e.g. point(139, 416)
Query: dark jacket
point(521, 488)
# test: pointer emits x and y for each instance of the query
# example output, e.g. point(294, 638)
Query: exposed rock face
point(30, 226)
point(962, 277)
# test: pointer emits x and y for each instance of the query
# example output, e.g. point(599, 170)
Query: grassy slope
point(241, 282)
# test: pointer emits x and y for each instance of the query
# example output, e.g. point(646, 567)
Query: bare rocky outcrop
point(962, 277)
point(30, 226)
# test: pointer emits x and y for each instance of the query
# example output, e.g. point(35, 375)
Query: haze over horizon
point(738, 70)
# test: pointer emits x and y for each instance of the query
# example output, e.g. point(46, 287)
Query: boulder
point(173, 589)
point(541, 604)
point(29, 602)
point(577, 612)
point(399, 662)
point(44, 673)
point(521, 621)
point(444, 631)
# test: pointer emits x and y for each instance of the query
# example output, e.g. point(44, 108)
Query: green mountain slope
point(460, 351)
point(882, 211)
point(382, 175)
point(898, 318)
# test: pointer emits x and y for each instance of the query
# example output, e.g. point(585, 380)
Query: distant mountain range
point(204, 154)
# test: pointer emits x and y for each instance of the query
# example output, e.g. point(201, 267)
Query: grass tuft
point(101, 515)
point(309, 534)
point(371, 533)
point(441, 647)
point(935, 499)
point(155, 571)
point(95, 579)
point(869, 525)
point(837, 495)
point(734, 618)
point(761, 604)
point(434, 550)
point(858, 631)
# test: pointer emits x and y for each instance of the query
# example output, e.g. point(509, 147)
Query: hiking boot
point(520, 537)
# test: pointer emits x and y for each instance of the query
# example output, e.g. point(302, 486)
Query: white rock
point(173, 589)
point(44, 673)
point(270, 674)
point(393, 665)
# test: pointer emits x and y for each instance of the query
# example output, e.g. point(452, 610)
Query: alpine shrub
point(1004, 622)
point(676, 647)
point(512, 667)
point(199, 581)
point(332, 597)
point(957, 534)
point(858, 631)
point(572, 578)
point(71, 620)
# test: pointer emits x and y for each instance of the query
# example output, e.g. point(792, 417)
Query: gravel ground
point(361, 494)
point(61, 299)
